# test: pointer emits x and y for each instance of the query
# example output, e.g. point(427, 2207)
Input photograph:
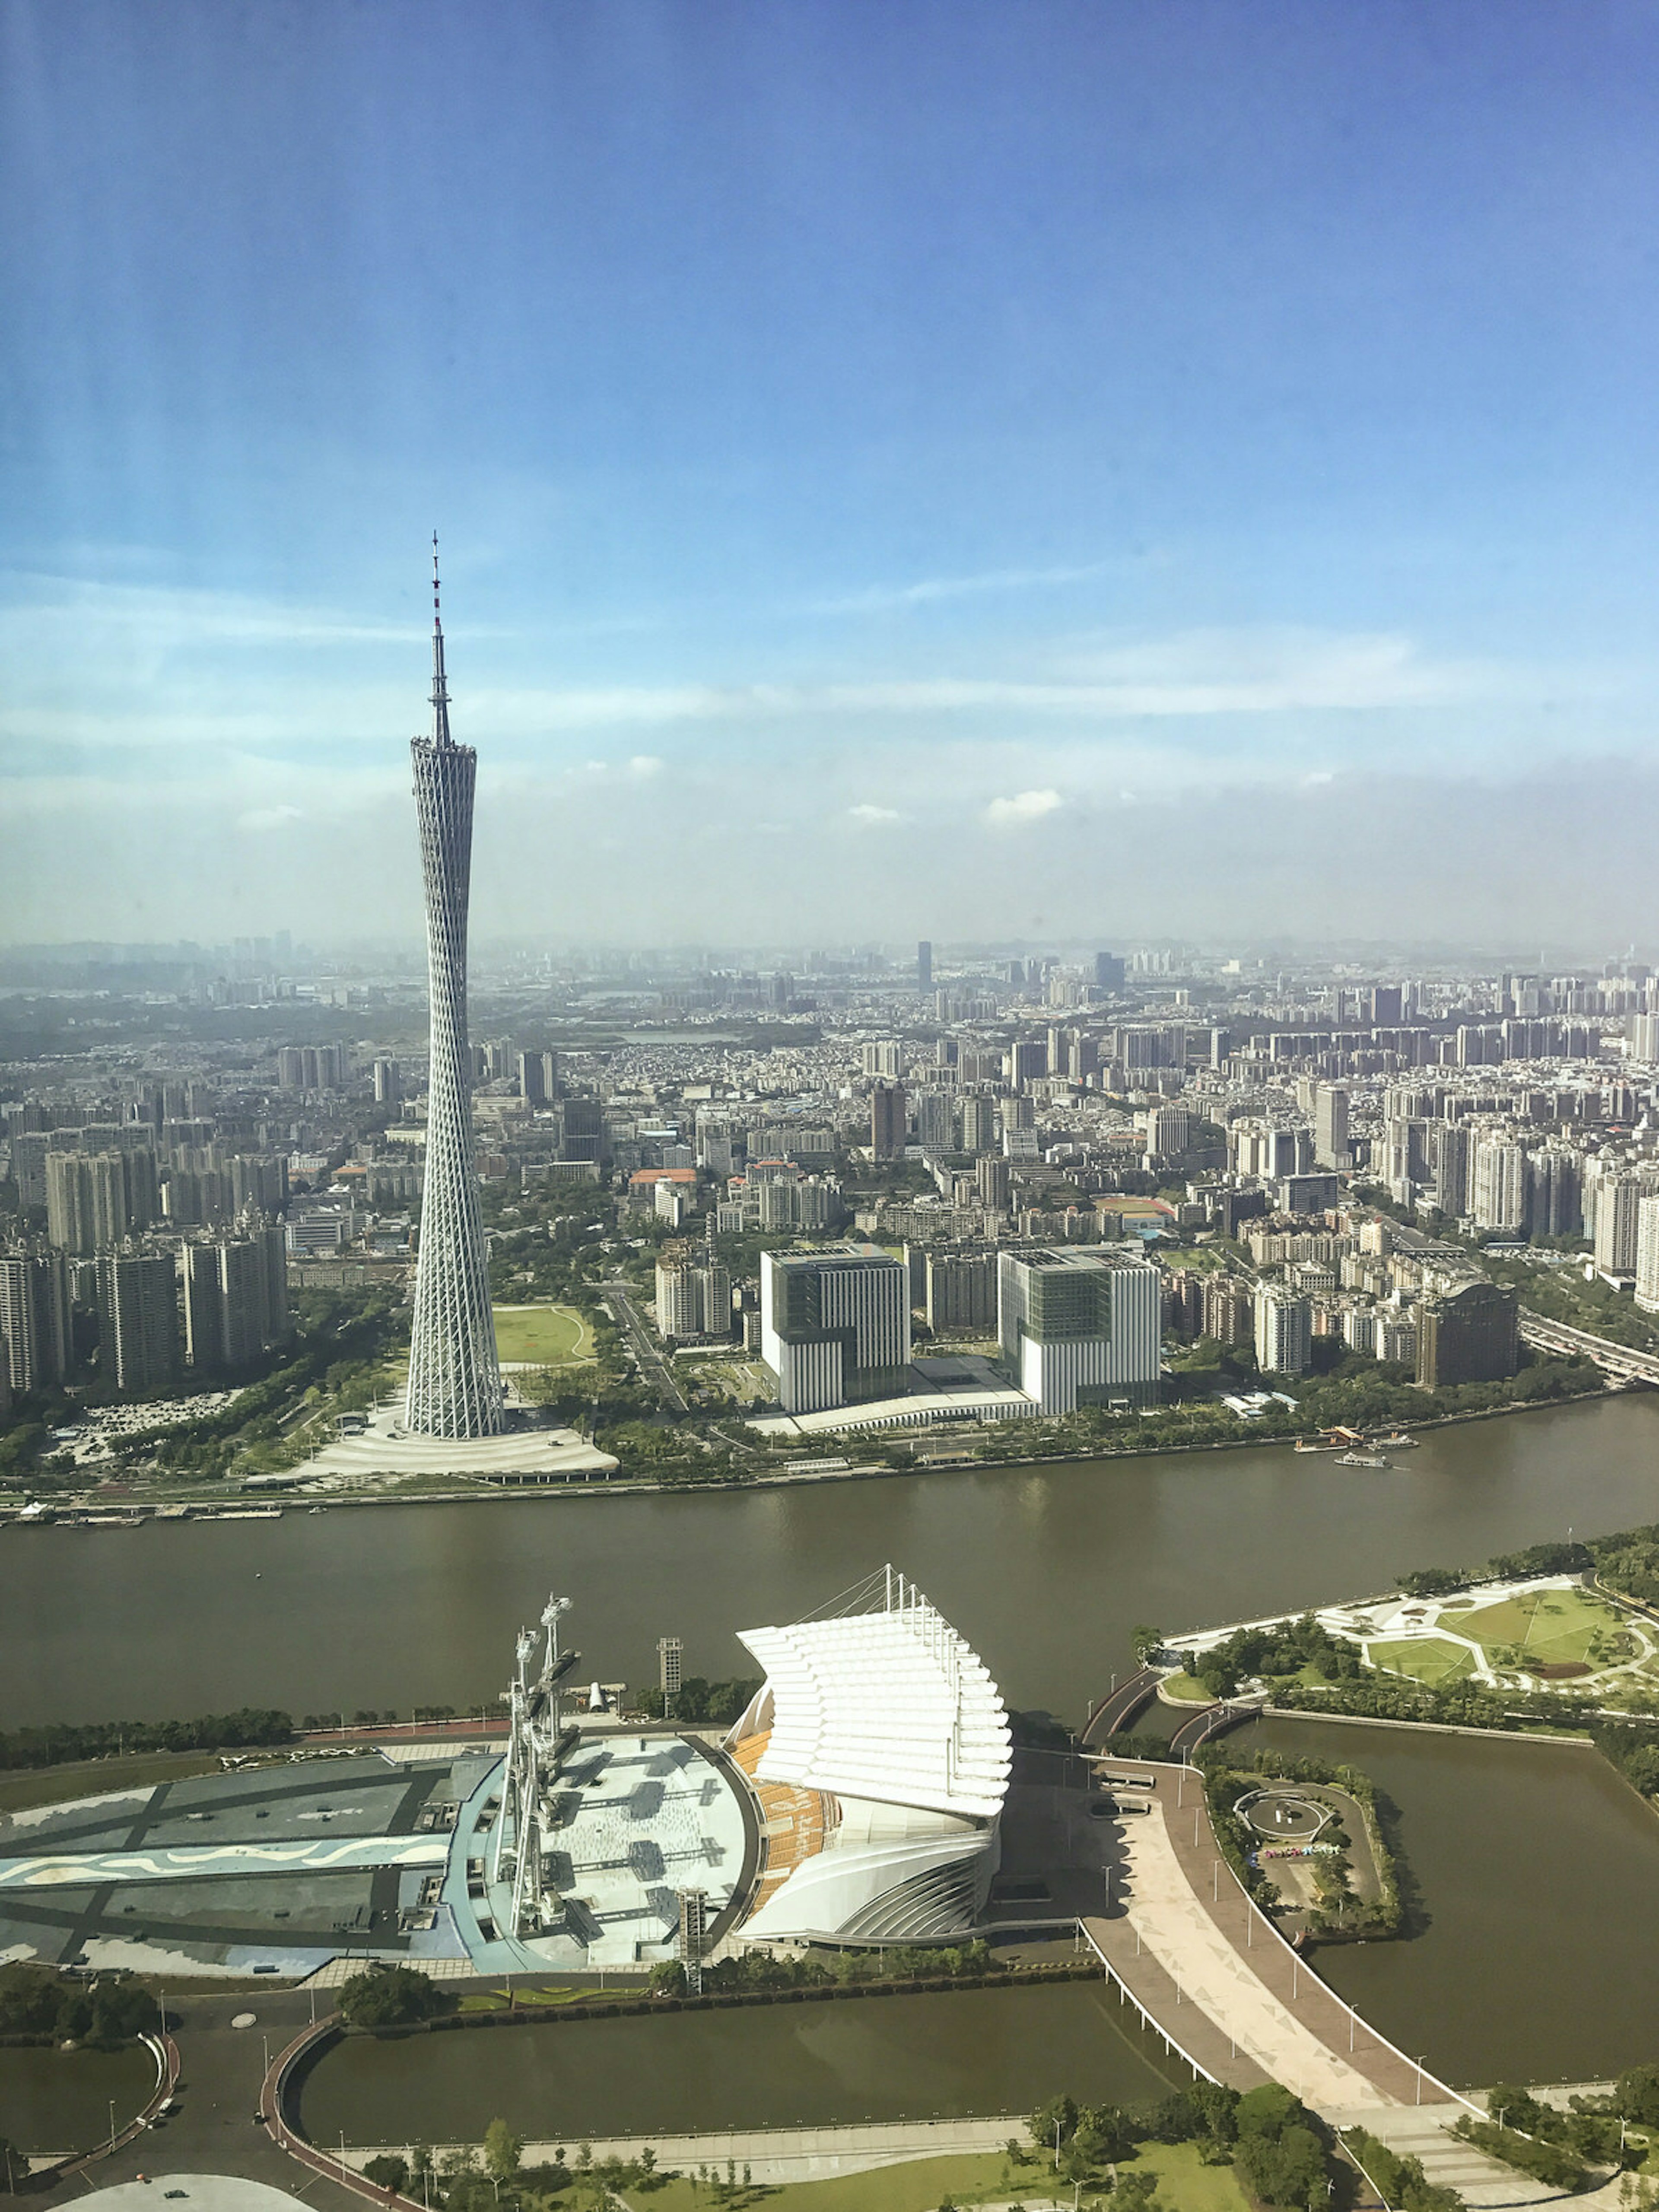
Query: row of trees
point(462, 2180)
point(1281, 2153)
point(59, 1742)
point(895, 1962)
point(34, 2002)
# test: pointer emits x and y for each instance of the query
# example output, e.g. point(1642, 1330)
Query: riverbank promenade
point(1215, 1978)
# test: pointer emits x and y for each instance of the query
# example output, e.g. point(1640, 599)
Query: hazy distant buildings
point(311, 1067)
point(924, 966)
point(835, 1326)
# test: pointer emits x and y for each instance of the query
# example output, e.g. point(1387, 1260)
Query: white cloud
point(270, 818)
point(928, 589)
point(644, 766)
point(874, 815)
point(1025, 806)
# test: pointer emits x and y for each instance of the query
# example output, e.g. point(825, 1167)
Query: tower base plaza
point(386, 1450)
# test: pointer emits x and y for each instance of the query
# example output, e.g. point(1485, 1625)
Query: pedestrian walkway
point(1209, 1969)
point(1420, 2131)
point(780, 2154)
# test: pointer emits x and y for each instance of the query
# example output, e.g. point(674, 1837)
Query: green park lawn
point(1423, 1658)
point(542, 1336)
point(1550, 1624)
point(1187, 1687)
point(1185, 2184)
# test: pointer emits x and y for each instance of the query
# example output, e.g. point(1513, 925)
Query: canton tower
point(454, 1381)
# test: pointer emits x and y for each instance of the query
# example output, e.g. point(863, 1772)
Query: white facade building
point(1647, 1254)
point(1284, 1331)
point(1080, 1327)
point(890, 1743)
point(835, 1326)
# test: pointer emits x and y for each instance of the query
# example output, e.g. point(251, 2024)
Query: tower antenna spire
point(440, 685)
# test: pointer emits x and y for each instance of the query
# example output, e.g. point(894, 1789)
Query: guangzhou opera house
point(879, 1749)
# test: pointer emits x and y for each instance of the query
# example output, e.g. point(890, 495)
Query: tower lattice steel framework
point(454, 1378)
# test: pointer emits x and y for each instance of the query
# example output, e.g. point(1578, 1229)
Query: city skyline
point(947, 472)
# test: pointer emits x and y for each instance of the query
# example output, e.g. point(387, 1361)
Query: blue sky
point(1079, 468)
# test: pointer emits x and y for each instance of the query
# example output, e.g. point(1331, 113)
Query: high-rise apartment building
point(539, 1078)
point(883, 1057)
point(979, 1122)
point(36, 1346)
point(1229, 1315)
point(94, 1200)
point(1284, 1331)
point(454, 1379)
point(1618, 1218)
point(235, 1298)
point(139, 1344)
point(936, 1121)
point(1647, 1254)
point(835, 1326)
point(924, 966)
point(1497, 1196)
point(1080, 1327)
point(889, 1128)
point(388, 1083)
point(693, 1299)
point(311, 1067)
point(1331, 1125)
point(960, 1290)
point(994, 1180)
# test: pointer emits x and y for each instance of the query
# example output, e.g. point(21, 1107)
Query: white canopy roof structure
point(888, 1705)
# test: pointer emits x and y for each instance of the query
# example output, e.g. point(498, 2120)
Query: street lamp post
point(111, 2123)
point(1420, 2079)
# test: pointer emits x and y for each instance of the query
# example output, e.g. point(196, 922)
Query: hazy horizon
point(1077, 473)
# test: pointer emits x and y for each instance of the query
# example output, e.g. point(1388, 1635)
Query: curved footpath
point(1212, 1974)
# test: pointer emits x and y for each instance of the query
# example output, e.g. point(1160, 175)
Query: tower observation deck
point(454, 1379)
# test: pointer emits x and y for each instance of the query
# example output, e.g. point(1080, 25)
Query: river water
point(1542, 1881)
point(59, 2100)
point(798, 2065)
point(1044, 1570)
